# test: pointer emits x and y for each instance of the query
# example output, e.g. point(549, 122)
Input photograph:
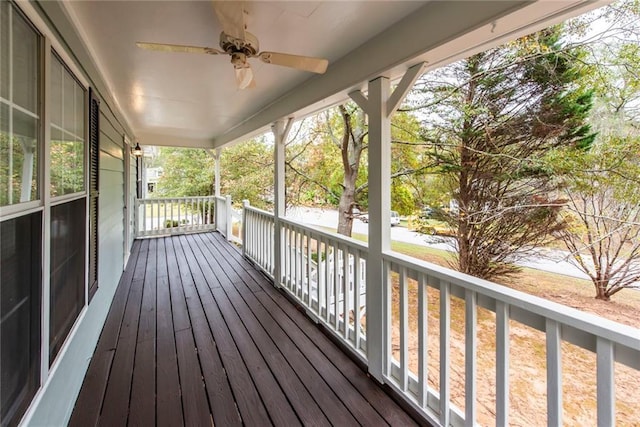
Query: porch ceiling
point(191, 100)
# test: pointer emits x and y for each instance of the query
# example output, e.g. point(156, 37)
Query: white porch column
point(379, 106)
point(280, 131)
point(216, 156)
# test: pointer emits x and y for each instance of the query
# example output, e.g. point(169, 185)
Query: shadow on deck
point(196, 336)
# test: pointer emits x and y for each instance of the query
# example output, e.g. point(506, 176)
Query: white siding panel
point(110, 222)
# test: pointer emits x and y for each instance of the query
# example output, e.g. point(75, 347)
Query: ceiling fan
point(241, 45)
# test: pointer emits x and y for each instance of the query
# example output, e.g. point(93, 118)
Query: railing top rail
point(343, 239)
point(259, 211)
point(166, 199)
point(613, 331)
point(222, 199)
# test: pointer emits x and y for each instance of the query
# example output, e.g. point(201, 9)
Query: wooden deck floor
point(196, 336)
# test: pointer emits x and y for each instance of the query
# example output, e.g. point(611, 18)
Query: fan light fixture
point(241, 45)
point(137, 151)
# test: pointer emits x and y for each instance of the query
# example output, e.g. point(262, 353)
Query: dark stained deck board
point(243, 298)
point(197, 336)
point(194, 398)
point(143, 400)
point(272, 395)
point(168, 392)
point(272, 299)
point(91, 396)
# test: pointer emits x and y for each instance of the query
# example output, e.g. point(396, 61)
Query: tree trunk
point(466, 258)
point(601, 290)
point(351, 146)
point(345, 207)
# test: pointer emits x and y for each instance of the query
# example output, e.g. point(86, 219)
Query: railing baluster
point(502, 364)
point(423, 354)
point(404, 329)
point(346, 301)
point(605, 380)
point(356, 299)
point(327, 283)
point(470, 356)
point(308, 263)
point(153, 208)
point(445, 352)
point(336, 286)
point(554, 373)
point(386, 304)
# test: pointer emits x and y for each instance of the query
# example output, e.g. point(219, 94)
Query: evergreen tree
point(491, 119)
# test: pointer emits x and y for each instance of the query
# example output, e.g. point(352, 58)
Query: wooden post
point(216, 183)
point(379, 106)
point(245, 205)
point(229, 220)
point(280, 131)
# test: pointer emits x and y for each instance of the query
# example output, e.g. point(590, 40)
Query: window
point(68, 220)
point(19, 104)
point(20, 287)
point(67, 131)
point(68, 231)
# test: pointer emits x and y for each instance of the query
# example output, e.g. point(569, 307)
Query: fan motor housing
point(249, 46)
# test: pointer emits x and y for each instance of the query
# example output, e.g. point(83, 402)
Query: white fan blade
point(231, 17)
point(162, 47)
point(306, 63)
point(244, 77)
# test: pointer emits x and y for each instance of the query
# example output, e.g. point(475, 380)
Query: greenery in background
point(186, 172)
point(11, 174)
point(67, 171)
point(247, 173)
point(329, 163)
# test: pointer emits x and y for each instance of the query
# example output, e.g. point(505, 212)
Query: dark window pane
point(20, 275)
point(68, 222)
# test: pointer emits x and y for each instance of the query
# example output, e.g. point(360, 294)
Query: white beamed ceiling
point(191, 100)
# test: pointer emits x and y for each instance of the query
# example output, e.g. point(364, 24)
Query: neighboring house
point(76, 94)
point(152, 176)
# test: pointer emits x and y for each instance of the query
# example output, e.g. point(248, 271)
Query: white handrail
point(174, 215)
point(317, 266)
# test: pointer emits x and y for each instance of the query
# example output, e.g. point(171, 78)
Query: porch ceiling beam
point(438, 33)
point(172, 141)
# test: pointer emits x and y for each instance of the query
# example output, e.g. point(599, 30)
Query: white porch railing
point(228, 220)
point(174, 215)
point(316, 266)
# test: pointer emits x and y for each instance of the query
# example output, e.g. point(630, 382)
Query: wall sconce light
point(137, 151)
